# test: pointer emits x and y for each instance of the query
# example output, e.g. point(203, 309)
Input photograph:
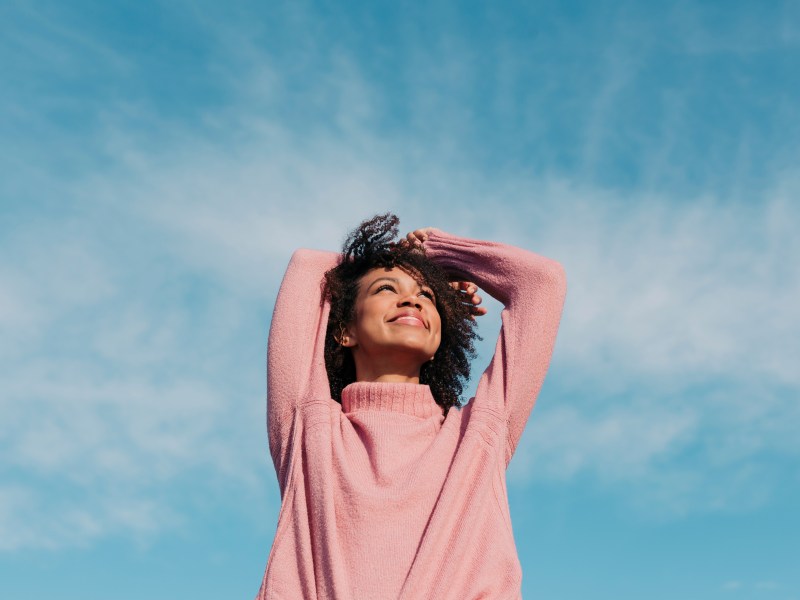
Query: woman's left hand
point(470, 297)
point(469, 290)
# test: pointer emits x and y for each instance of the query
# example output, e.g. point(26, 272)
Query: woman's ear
point(345, 338)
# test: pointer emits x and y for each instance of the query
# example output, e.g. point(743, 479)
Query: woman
point(386, 491)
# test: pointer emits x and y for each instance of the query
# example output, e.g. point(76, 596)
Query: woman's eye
point(385, 286)
point(428, 294)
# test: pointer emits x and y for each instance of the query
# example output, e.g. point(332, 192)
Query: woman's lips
point(409, 320)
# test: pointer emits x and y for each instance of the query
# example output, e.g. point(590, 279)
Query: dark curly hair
point(373, 245)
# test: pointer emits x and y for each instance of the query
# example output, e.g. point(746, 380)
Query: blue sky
point(160, 162)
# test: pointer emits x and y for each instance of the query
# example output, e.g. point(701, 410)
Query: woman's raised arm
point(295, 354)
point(532, 289)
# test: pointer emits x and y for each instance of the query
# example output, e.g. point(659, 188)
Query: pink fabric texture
point(383, 497)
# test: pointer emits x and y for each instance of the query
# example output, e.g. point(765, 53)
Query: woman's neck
point(387, 371)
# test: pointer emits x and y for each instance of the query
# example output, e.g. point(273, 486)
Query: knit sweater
point(382, 496)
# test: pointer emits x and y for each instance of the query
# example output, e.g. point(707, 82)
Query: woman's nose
point(410, 300)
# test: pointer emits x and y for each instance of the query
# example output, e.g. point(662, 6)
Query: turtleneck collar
point(407, 398)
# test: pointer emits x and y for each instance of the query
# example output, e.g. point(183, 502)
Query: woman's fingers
point(467, 287)
point(418, 236)
point(470, 293)
point(464, 286)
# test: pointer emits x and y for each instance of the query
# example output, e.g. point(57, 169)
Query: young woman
point(389, 491)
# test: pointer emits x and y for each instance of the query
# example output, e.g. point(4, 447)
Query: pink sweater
point(383, 497)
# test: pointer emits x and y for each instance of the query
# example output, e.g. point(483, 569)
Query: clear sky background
point(160, 161)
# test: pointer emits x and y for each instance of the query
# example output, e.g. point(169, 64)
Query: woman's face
point(394, 317)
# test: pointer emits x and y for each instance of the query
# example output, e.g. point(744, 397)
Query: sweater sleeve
point(295, 354)
point(532, 289)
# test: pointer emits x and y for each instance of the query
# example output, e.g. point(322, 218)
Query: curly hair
point(373, 245)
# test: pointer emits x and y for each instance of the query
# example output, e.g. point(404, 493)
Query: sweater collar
point(407, 398)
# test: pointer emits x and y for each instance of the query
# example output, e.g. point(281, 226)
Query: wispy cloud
point(737, 586)
point(622, 443)
point(676, 354)
point(117, 386)
point(667, 287)
point(92, 452)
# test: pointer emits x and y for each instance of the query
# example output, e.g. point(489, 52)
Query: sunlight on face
point(396, 321)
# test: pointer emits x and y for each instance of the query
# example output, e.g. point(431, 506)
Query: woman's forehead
point(399, 274)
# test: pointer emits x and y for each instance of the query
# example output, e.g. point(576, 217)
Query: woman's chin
point(403, 356)
point(421, 353)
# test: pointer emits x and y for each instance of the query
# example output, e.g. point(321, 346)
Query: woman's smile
point(409, 317)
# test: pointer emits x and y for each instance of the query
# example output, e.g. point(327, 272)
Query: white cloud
point(758, 587)
point(57, 267)
point(93, 454)
point(677, 352)
point(114, 391)
point(664, 289)
point(14, 311)
point(620, 443)
point(732, 585)
point(767, 585)
point(30, 519)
